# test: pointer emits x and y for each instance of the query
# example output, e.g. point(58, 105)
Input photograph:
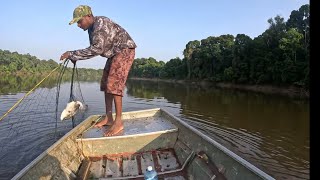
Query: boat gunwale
point(228, 152)
point(47, 151)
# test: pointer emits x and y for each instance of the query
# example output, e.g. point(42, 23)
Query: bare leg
point(108, 98)
point(117, 126)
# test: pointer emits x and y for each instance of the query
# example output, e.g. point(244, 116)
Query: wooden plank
point(97, 169)
point(84, 169)
point(130, 167)
point(167, 160)
point(112, 168)
point(146, 160)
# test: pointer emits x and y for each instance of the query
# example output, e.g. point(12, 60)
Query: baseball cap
point(80, 12)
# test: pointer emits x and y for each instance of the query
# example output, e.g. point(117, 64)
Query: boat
point(152, 137)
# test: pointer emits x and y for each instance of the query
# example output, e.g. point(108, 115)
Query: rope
point(72, 97)
point(79, 86)
point(81, 149)
point(37, 85)
point(58, 94)
point(71, 92)
point(71, 88)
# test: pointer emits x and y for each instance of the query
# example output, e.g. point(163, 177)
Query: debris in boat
point(71, 110)
point(218, 172)
point(203, 156)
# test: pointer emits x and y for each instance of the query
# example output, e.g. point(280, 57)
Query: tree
point(300, 20)
point(291, 42)
point(188, 52)
point(241, 57)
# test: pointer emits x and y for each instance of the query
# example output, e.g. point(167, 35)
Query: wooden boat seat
point(147, 132)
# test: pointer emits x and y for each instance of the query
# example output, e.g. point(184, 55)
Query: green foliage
point(279, 56)
point(13, 63)
point(174, 69)
point(146, 68)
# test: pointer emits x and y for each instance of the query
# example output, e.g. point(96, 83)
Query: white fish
point(71, 110)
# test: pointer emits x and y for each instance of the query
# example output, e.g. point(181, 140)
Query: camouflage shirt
point(106, 39)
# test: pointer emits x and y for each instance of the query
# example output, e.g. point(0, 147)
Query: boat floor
point(134, 127)
point(133, 166)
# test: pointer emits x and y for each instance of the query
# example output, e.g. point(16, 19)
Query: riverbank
point(294, 92)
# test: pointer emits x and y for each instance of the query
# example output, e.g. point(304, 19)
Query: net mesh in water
point(34, 124)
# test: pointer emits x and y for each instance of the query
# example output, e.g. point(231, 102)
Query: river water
point(269, 131)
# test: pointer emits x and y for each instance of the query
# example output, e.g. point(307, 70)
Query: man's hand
point(64, 56)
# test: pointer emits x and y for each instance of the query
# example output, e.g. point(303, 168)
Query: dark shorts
point(116, 72)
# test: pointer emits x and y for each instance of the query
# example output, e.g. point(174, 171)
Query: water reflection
point(271, 132)
point(10, 84)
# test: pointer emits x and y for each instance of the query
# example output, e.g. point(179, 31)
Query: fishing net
point(30, 122)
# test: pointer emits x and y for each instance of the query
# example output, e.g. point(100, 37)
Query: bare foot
point(115, 129)
point(104, 122)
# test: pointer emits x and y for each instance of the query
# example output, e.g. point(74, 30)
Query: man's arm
point(95, 49)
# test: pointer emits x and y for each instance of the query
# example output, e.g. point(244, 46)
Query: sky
point(160, 28)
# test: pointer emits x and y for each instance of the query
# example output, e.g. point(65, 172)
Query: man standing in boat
point(110, 40)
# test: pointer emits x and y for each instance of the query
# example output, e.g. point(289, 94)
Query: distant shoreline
point(294, 92)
